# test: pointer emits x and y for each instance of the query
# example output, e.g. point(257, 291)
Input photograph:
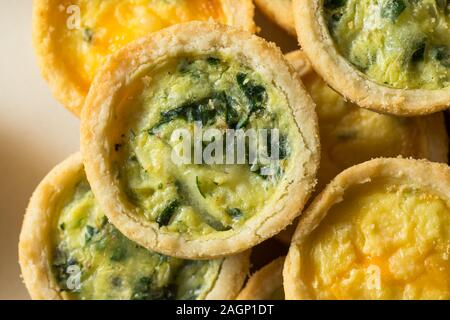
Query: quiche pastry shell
point(432, 142)
point(197, 38)
point(35, 246)
point(264, 283)
point(418, 173)
point(238, 13)
point(343, 77)
point(279, 11)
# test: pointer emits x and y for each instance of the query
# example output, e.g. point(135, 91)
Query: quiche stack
point(354, 216)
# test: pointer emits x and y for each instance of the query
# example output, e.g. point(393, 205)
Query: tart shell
point(264, 58)
point(340, 75)
point(280, 11)
point(420, 173)
point(35, 240)
point(264, 282)
point(239, 13)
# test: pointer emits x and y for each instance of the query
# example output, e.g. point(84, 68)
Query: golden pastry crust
point(264, 283)
point(279, 11)
point(430, 142)
point(418, 173)
point(343, 77)
point(35, 246)
point(238, 13)
point(252, 51)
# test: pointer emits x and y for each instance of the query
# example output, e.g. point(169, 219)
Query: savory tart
point(73, 38)
point(199, 84)
point(352, 135)
point(391, 56)
point(69, 250)
point(379, 230)
point(280, 11)
point(265, 284)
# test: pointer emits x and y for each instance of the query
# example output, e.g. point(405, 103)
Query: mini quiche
point(280, 11)
point(69, 250)
point(391, 56)
point(208, 82)
point(352, 135)
point(265, 284)
point(73, 38)
point(380, 230)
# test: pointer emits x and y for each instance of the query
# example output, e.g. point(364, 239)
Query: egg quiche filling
point(93, 260)
point(384, 240)
point(351, 135)
point(216, 94)
point(397, 43)
point(85, 32)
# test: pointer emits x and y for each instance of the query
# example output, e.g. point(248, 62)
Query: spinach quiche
point(265, 284)
point(391, 56)
point(69, 250)
point(352, 135)
point(72, 38)
point(379, 230)
point(199, 84)
point(280, 11)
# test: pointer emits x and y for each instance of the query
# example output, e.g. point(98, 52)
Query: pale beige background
point(36, 133)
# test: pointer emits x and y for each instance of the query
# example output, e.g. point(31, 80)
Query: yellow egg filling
point(85, 32)
point(382, 241)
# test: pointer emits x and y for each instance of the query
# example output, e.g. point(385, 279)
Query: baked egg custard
point(69, 250)
point(198, 209)
point(380, 230)
point(74, 38)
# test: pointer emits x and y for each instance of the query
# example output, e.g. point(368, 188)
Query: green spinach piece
point(119, 253)
point(235, 213)
point(89, 233)
point(392, 9)
point(441, 54)
point(165, 216)
point(256, 95)
point(213, 61)
point(144, 290)
point(443, 5)
point(334, 4)
point(88, 35)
